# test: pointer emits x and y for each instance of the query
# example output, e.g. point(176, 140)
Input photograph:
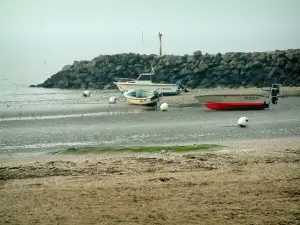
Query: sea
point(16, 79)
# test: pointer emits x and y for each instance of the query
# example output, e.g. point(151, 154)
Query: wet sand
point(179, 125)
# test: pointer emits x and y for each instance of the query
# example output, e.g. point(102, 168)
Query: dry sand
point(251, 182)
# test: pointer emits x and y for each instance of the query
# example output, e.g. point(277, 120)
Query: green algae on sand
point(139, 149)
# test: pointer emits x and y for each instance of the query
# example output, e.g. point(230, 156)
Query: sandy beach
point(252, 179)
point(251, 182)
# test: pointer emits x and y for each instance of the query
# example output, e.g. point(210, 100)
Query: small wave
point(39, 100)
point(51, 145)
point(54, 93)
point(45, 145)
point(67, 116)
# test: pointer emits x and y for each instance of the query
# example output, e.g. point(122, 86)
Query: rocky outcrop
point(232, 69)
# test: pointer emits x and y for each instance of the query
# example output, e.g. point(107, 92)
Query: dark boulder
point(66, 68)
point(185, 72)
point(206, 83)
point(197, 54)
point(193, 83)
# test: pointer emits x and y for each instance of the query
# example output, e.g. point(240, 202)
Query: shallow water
point(16, 78)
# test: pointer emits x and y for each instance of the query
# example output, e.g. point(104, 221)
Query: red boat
point(240, 101)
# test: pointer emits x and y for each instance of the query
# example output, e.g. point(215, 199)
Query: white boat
point(142, 97)
point(144, 81)
point(232, 101)
point(240, 101)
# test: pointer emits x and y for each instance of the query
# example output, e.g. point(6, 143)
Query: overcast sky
point(66, 30)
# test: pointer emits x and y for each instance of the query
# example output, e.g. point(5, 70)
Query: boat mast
point(160, 44)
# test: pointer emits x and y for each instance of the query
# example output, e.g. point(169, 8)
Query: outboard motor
point(183, 88)
point(157, 93)
point(275, 90)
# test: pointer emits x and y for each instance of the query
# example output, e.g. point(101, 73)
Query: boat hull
point(165, 89)
point(236, 105)
point(233, 102)
point(136, 101)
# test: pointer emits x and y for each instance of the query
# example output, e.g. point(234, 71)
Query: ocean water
point(15, 80)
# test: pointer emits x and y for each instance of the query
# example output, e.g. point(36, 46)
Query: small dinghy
point(142, 97)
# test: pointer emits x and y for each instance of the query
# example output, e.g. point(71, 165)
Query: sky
point(61, 31)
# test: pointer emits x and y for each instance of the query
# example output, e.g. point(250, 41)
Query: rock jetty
point(232, 69)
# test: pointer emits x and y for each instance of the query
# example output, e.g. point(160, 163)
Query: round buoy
point(243, 122)
point(164, 107)
point(113, 100)
point(86, 94)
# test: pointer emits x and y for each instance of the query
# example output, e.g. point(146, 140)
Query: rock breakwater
point(232, 69)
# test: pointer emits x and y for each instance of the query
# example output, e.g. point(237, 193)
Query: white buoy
point(86, 94)
point(164, 107)
point(243, 122)
point(112, 100)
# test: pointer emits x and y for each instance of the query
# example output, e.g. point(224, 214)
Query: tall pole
point(160, 44)
point(142, 41)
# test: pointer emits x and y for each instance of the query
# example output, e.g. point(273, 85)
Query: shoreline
point(226, 146)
